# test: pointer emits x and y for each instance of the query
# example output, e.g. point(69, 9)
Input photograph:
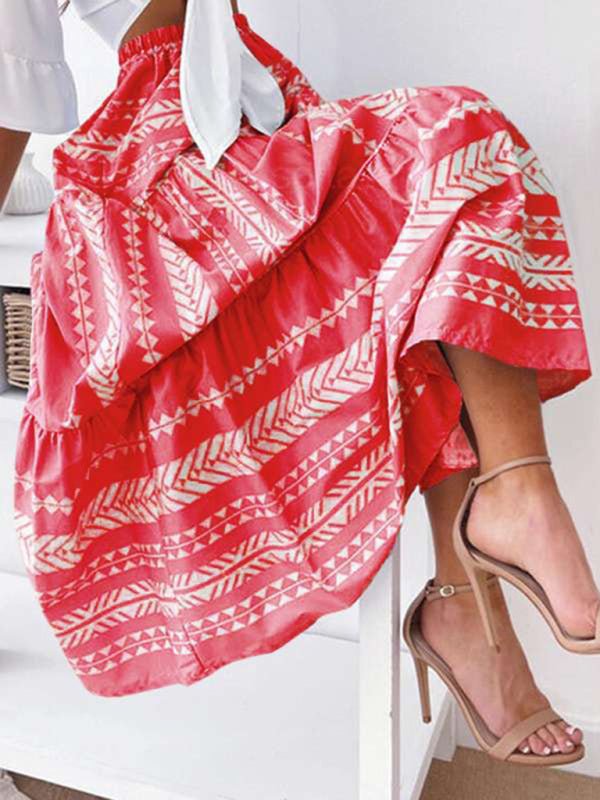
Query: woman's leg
point(500, 684)
point(520, 516)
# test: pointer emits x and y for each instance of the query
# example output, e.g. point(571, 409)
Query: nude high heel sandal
point(502, 748)
point(477, 565)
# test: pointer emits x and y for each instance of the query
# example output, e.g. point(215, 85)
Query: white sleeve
point(37, 91)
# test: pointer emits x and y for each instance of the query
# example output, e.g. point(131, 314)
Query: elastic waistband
point(158, 37)
point(144, 42)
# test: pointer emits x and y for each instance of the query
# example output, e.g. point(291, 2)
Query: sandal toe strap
point(512, 739)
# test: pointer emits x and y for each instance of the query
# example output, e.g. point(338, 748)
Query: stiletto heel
point(476, 575)
point(423, 683)
point(503, 748)
point(478, 579)
point(477, 564)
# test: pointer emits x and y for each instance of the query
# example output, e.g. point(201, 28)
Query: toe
point(524, 747)
point(574, 734)
point(538, 745)
point(565, 742)
point(546, 736)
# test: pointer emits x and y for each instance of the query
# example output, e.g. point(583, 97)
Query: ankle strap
point(518, 462)
point(436, 592)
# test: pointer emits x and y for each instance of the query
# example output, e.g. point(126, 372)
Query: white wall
point(540, 61)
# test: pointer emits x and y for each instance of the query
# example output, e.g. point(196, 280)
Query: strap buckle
point(448, 590)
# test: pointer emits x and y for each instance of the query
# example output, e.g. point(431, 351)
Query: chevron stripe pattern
point(235, 384)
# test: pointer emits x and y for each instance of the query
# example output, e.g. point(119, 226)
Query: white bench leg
point(379, 703)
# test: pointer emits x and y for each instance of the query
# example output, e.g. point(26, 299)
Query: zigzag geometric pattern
point(235, 383)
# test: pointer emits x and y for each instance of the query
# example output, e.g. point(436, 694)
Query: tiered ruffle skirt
point(236, 383)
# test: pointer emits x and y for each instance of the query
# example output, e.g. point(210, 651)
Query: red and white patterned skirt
point(236, 383)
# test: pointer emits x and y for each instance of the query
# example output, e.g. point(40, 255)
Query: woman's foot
point(520, 517)
point(499, 684)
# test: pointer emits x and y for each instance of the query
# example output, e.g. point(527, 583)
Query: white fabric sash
point(221, 78)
